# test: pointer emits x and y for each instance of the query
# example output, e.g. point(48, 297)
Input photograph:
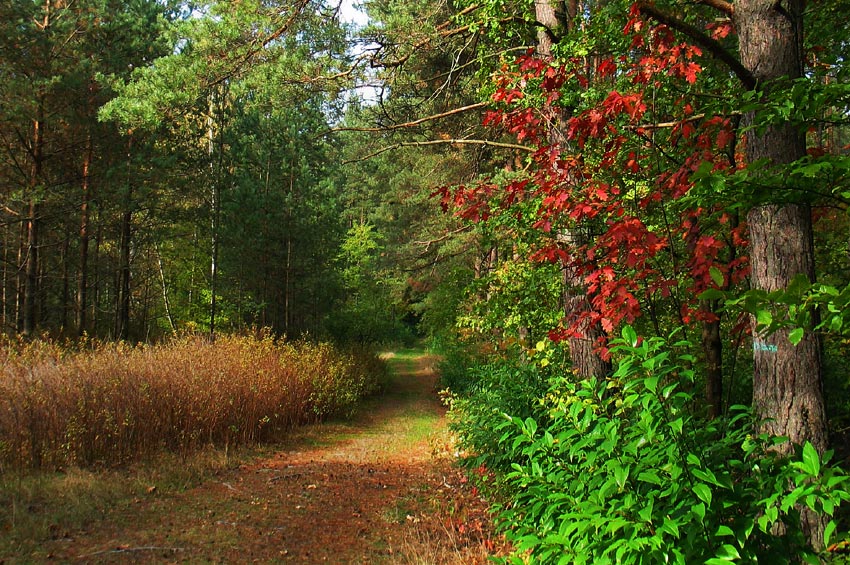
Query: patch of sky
point(352, 12)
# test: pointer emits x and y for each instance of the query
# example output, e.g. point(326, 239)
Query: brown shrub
point(108, 404)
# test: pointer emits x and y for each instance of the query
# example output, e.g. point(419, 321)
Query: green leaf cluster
point(621, 471)
point(800, 308)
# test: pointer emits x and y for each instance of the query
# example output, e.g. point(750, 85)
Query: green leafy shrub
point(492, 390)
point(344, 379)
point(521, 296)
point(621, 471)
point(457, 368)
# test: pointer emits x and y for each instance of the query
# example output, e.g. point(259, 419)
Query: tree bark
point(122, 317)
point(162, 281)
point(83, 280)
point(549, 14)
point(787, 381)
point(216, 224)
point(96, 294)
point(21, 279)
point(553, 15)
point(787, 385)
point(122, 314)
point(712, 346)
point(216, 104)
point(31, 271)
point(66, 285)
point(32, 225)
point(4, 314)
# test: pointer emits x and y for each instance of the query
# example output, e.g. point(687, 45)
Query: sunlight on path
point(354, 492)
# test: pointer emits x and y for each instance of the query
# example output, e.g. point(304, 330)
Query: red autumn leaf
point(719, 30)
point(606, 68)
point(691, 71)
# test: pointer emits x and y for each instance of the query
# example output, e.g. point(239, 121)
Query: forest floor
point(380, 488)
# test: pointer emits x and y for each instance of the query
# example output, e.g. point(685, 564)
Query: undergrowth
point(105, 405)
point(624, 470)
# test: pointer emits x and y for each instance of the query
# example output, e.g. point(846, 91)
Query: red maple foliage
point(596, 172)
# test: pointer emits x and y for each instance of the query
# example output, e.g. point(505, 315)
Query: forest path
point(366, 491)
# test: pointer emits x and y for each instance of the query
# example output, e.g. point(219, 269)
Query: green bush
point(491, 391)
point(457, 368)
point(621, 471)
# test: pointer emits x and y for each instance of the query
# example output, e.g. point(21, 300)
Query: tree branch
point(262, 44)
point(665, 125)
point(465, 11)
point(483, 142)
point(442, 33)
point(413, 123)
point(726, 7)
point(674, 123)
point(132, 550)
point(443, 237)
point(701, 39)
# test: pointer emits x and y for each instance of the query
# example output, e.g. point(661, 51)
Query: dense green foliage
point(624, 470)
point(167, 169)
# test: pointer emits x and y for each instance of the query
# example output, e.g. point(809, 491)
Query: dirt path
point(370, 491)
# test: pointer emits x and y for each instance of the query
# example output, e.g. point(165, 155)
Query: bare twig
point(674, 123)
point(443, 237)
point(483, 142)
point(132, 550)
point(414, 122)
point(231, 487)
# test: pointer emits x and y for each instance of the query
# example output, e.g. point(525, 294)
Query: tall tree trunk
point(4, 313)
point(265, 283)
point(555, 17)
point(66, 285)
point(122, 311)
point(287, 289)
point(216, 104)
point(31, 271)
point(216, 197)
point(190, 294)
point(712, 346)
point(165, 300)
point(8, 322)
point(83, 279)
point(551, 14)
point(21, 279)
point(122, 314)
point(32, 224)
point(144, 322)
point(787, 381)
point(95, 301)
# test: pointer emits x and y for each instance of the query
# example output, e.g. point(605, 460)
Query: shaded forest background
point(180, 167)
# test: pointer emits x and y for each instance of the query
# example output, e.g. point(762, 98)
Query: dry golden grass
point(103, 405)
